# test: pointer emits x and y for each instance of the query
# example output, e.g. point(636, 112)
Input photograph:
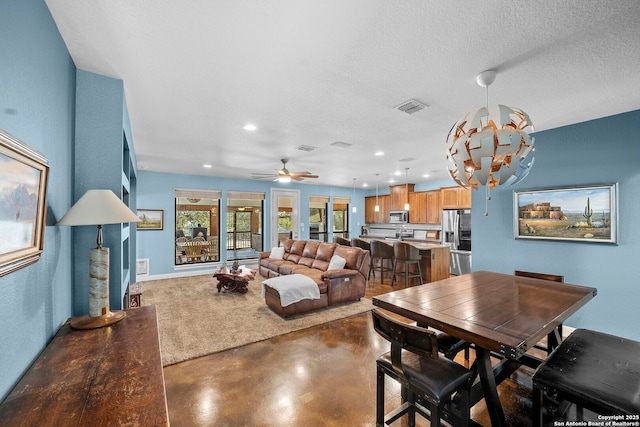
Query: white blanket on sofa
point(293, 288)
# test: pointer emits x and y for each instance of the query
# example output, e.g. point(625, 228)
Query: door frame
point(295, 212)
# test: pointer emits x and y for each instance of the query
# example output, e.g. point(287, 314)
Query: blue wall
point(594, 152)
point(37, 95)
point(156, 191)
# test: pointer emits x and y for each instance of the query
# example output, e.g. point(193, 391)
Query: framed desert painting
point(577, 214)
point(23, 186)
point(150, 219)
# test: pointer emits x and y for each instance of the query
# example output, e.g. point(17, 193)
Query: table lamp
point(98, 207)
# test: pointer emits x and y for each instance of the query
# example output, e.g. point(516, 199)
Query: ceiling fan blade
point(303, 175)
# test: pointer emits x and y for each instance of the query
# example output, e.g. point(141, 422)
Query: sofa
point(313, 259)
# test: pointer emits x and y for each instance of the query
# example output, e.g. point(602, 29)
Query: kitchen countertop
point(420, 244)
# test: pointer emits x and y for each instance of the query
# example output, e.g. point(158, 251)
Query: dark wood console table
point(110, 376)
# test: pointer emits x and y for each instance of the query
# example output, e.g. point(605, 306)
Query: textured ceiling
point(315, 72)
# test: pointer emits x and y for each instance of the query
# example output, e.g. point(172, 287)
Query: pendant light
point(406, 185)
point(353, 208)
point(489, 152)
point(377, 206)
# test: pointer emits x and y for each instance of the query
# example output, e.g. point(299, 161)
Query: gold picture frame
point(23, 186)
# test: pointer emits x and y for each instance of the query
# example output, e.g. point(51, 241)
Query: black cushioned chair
point(427, 380)
point(595, 371)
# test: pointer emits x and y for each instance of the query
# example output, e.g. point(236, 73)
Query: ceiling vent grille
point(411, 106)
point(306, 148)
point(340, 144)
point(407, 159)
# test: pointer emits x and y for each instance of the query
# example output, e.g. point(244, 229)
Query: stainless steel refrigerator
point(456, 233)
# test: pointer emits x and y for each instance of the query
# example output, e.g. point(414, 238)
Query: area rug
point(195, 320)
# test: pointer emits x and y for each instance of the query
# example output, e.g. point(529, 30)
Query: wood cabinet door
point(434, 212)
point(418, 208)
point(464, 198)
point(369, 209)
point(449, 197)
point(385, 207)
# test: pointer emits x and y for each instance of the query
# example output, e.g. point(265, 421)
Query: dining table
point(502, 315)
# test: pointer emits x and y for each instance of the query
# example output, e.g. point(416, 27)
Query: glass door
point(285, 208)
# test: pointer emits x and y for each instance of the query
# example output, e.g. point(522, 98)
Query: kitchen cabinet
point(418, 208)
point(455, 198)
point(400, 196)
point(433, 214)
point(372, 217)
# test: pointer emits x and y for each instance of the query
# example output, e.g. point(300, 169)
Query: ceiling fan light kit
point(488, 150)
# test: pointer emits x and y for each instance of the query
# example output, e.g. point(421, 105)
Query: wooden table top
point(110, 376)
point(498, 312)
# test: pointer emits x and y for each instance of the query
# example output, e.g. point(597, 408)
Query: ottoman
point(293, 294)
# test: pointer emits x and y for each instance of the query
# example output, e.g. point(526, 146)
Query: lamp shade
point(97, 207)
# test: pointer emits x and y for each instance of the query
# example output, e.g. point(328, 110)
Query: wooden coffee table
point(234, 282)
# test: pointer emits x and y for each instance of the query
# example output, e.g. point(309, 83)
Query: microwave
point(399, 217)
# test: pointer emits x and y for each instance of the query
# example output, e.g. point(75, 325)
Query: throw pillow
point(336, 263)
point(277, 253)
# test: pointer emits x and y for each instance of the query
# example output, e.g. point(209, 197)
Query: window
point(341, 217)
point(197, 226)
point(318, 218)
point(244, 224)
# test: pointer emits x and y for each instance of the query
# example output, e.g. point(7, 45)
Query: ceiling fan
point(283, 175)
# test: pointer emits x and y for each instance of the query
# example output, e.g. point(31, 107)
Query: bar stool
point(359, 243)
point(342, 241)
point(595, 371)
point(380, 251)
point(406, 254)
point(426, 380)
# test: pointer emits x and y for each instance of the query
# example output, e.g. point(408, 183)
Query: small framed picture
point(150, 219)
point(23, 187)
point(575, 214)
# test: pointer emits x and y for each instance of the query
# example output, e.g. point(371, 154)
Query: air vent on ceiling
point(411, 106)
point(340, 144)
point(407, 159)
point(306, 148)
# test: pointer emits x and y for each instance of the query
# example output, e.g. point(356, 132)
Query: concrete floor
point(321, 376)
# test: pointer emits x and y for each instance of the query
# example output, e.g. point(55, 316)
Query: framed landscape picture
point(150, 219)
point(577, 214)
point(23, 186)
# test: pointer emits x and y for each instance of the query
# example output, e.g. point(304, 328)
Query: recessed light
point(379, 153)
point(397, 173)
point(426, 175)
point(250, 127)
point(365, 184)
point(206, 166)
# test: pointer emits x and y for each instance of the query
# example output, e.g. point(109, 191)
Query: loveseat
point(313, 259)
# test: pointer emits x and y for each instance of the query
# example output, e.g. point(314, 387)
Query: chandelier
point(489, 154)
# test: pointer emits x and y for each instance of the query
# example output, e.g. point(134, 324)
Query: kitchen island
point(434, 258)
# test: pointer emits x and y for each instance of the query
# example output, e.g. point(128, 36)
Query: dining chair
point(381, 252)
point(180, 252)
point(407, 255)
point(555, 337)
point(427, 380)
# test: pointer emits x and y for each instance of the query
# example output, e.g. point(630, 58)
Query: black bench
point(595, 371)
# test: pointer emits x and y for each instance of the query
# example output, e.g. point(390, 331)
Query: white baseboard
point(192, 270)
